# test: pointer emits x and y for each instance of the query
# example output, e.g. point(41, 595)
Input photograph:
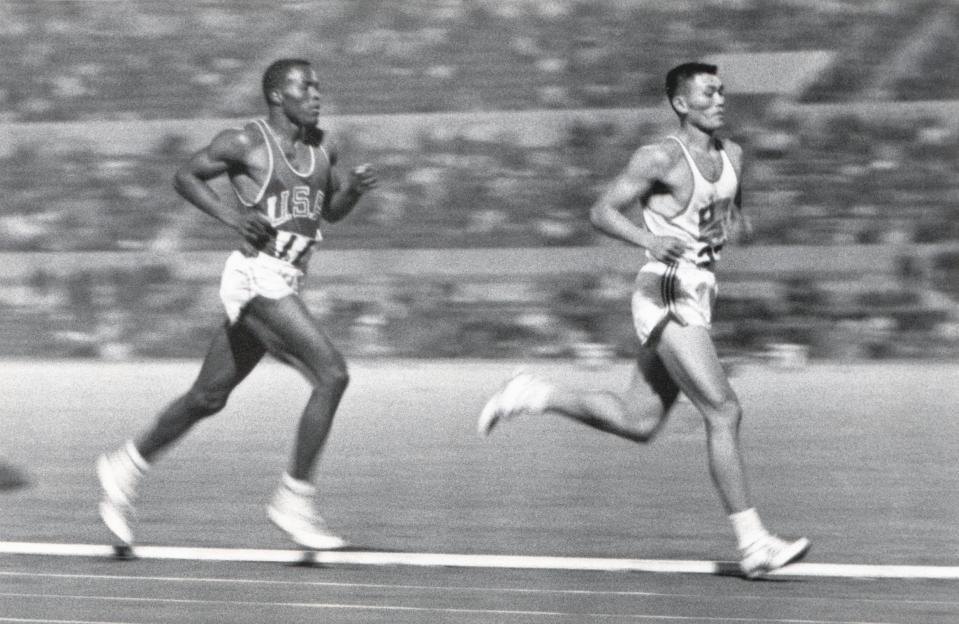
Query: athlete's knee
point(643, 427)
point(203, 402)
point(627, 419)
point(724, 415)
point(330, 371)
point(338, 374)
point(639, 433)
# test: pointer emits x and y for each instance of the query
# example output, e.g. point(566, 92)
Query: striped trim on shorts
point(681, 292)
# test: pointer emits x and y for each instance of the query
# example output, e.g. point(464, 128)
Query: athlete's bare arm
point(650, 166)
point(741, 226)
point(342, 196)
point(229, 149)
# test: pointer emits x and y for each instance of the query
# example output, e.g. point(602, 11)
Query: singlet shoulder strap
point(274, 141)
point(697, 174)
point(727, 161)
point(724, 158)
point(266, 182)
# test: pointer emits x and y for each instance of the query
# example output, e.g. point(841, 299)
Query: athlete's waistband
point(660, 268)
point(705, 258)
point(290, 247)
point(708, 255)
point(272, 263)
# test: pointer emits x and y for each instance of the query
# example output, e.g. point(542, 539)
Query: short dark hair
point(681, 73)
point(275, 75)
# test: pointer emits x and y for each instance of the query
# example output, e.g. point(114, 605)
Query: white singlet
point(702, 221)
point(686, 291)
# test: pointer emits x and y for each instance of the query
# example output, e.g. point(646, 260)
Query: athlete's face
point(702, 102)
point(301, 96)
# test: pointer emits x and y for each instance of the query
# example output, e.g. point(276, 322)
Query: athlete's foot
point(522, 394)
point(771, 553)
point(118, 477)
point(295, 514)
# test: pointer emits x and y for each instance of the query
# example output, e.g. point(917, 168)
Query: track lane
point(859, 458)
point(433, 595)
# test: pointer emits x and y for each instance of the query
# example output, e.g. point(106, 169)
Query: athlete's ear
point(275, 97)
point(680, 105)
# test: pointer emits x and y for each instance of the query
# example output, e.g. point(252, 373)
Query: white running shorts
point(261, 275)
point(681, 292)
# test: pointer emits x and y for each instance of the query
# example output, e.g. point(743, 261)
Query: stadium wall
point(529, 128)
point(743, 262)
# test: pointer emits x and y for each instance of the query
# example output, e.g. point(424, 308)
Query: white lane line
point(577, 617)
point(49, 621)
point(214, 580)
point(371, 558)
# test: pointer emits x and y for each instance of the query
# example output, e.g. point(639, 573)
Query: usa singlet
point(702, 222)
point(291, 199)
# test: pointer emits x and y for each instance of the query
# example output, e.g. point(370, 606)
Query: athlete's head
point(291, 84)
point(696, 94)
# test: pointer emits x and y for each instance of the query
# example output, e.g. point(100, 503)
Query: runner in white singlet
point(687, 190)
point(685, 290)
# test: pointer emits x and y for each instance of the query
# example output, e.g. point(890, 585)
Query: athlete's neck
point(696, 138)
point(283, 128)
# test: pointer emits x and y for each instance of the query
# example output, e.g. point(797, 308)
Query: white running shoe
point(522, 394)
point(118, 477)
point(296, 515)
point(771, 553)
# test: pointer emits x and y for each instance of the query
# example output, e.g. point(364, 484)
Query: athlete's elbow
point(337, 209)
point(180, 181)
point(332, 216)
point(598, 217)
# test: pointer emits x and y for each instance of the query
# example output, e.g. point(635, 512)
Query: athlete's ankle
point(137, 461)
point(300, 487)
point(748, 527)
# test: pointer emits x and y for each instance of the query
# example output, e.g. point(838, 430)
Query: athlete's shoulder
point(656, 159)
point(236, 143)
point(733, 149)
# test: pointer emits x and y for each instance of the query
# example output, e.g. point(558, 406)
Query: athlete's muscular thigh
point(233, 353)
point(689, 355)
point(651, 373)
point(290, 331)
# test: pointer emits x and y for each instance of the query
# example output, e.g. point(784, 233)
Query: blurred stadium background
point(494, 125)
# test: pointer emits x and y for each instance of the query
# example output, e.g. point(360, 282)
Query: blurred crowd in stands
point(833, 179)
point(149, 59)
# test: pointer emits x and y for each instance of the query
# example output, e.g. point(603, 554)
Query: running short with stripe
point(245, 277)
point(681, 292)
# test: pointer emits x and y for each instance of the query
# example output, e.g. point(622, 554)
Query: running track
point(859, 458)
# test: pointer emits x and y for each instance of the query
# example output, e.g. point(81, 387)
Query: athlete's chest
point(685, 193)
point(292, 193)
point(302, 165)
point(700, 177)
point(693, 170)
point(709, 164)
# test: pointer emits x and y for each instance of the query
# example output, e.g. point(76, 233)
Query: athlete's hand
point(742, 230)
point(362, 179)
point(667, 249)
point(255, 228)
